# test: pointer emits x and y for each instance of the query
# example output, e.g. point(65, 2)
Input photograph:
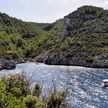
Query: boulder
point(20, 60)
point(7, 64)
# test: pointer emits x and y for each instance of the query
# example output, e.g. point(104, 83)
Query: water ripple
point(83, 84)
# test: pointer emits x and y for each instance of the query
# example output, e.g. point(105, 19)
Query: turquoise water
point(83, 84)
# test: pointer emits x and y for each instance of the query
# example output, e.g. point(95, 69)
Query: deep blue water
point(83, 84)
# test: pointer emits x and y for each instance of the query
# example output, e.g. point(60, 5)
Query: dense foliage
point(88, 30)
point(84, 40)
point(15, 93)
point(19, 39)
point(82, 34)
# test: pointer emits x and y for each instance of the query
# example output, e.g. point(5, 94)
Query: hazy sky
point(45, 10)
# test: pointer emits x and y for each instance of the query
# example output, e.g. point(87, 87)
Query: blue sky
point(45, 10)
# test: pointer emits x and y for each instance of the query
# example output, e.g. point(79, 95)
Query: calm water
point(83, 84)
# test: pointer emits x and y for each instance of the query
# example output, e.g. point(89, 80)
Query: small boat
point(104, 83)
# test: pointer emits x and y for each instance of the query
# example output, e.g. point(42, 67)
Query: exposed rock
point(7, 64)
point(75, 59)
point(20, 60)
point(75, 21)
point(42, 57)
point(66, 58)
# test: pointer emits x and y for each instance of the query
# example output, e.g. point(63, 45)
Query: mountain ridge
point(80, 38)
point(85, 39)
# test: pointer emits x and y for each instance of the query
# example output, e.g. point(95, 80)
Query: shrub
point(16, 91)
point(2, 103)
point(18, 81)
point(89, 59)
point(2, 86)
point(14, 94)
point(56, 99)
point(37, 90)
point(30, 101)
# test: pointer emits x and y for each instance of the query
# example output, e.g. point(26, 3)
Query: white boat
point(104, 83)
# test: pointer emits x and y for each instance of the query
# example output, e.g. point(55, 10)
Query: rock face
point(74, 59)
point(86, 15)
point(66, 58)
point(7, 64)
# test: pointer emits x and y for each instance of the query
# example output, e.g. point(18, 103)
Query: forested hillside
point(80, 38)
point(84, 40)
point(19, 39)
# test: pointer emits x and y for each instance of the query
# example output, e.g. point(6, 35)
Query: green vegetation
point(85, 37)
point(91, 35)
point(15, 93)
point(89, 59)
point(85, 32)
point(19, 39)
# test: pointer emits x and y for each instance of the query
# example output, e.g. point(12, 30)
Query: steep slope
point(19, 39)
point(16, 36)
point(85, 39)
point(81, 38)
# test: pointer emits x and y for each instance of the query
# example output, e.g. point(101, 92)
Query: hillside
point(19, 39)
point(85, 39)
point(81, 38)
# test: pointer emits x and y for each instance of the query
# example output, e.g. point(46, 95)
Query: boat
point(104, 83)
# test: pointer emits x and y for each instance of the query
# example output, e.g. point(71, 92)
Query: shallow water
point(83, 84)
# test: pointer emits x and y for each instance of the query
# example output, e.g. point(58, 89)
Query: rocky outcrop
point(7, 64)
point(87, 15)
point(42, 57)
point(19, 60)
point(77, 59)
point(66, 58)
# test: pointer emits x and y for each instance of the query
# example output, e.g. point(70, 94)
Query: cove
point(82, 84)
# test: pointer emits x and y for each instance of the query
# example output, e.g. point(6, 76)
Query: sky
point(45, 11)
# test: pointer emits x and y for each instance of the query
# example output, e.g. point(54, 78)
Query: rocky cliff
point(87, 16)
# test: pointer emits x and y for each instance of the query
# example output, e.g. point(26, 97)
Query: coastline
point(11, 64)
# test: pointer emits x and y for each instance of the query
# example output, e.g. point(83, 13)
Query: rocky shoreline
point(10, 64)
point(7, 64)
point(74, 59)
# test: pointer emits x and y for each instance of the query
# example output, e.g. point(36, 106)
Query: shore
point(11, 64)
